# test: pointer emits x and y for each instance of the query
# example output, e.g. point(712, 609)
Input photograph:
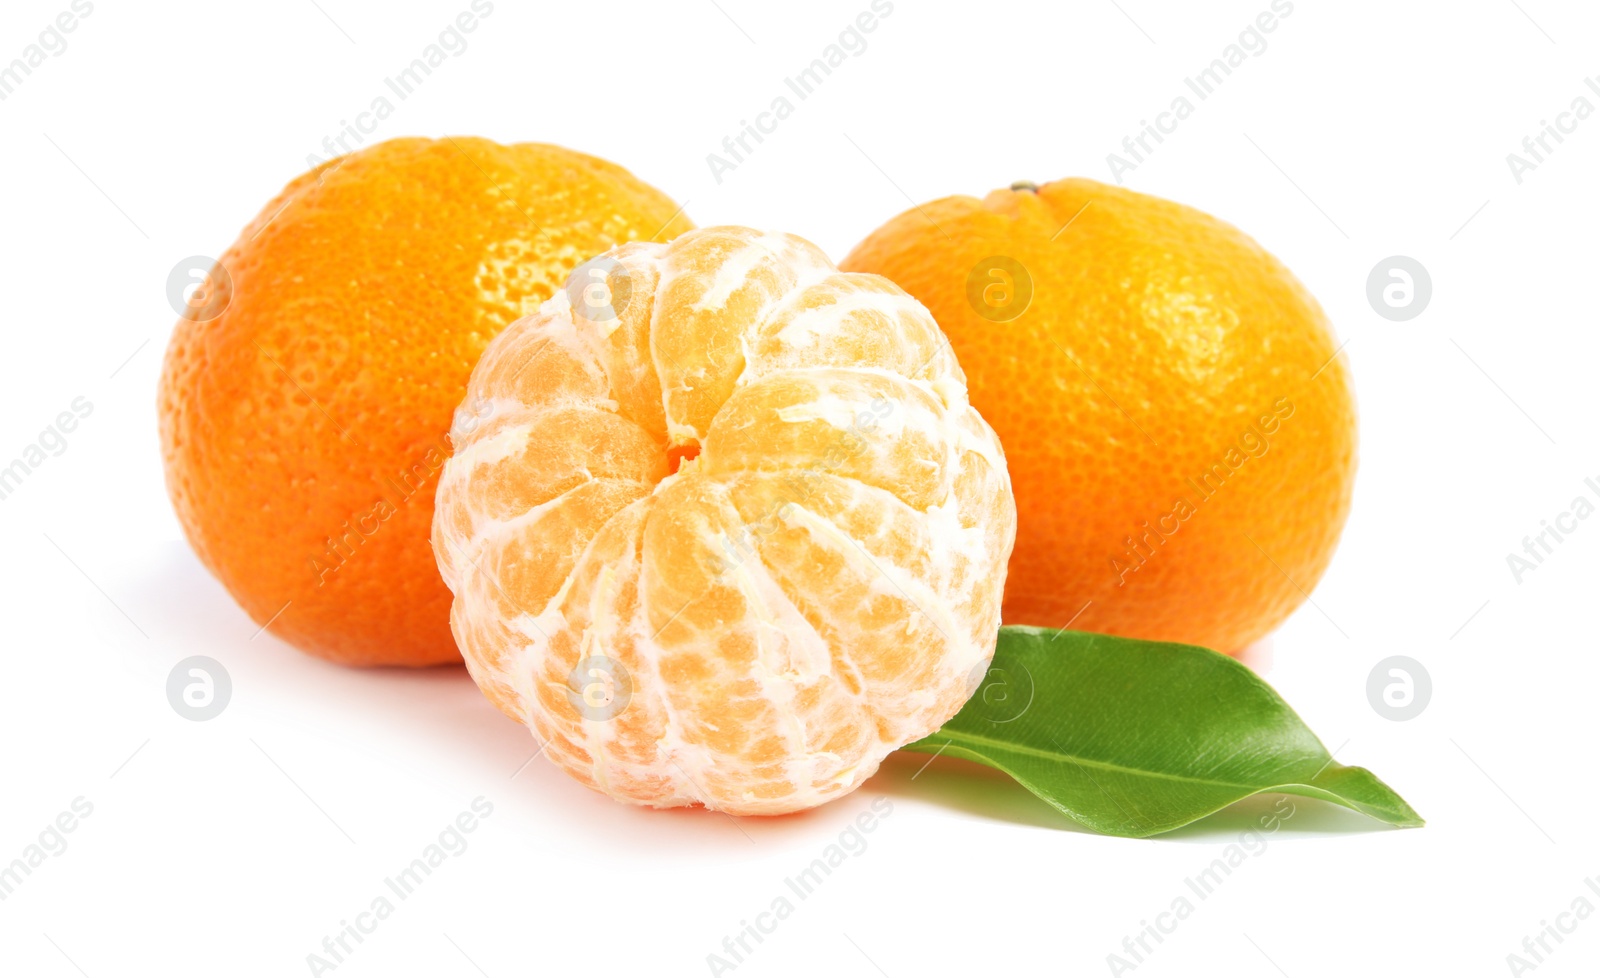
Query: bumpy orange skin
point(304, 428)
point(1160, 345)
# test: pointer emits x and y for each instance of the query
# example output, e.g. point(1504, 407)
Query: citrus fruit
point(731, 532)
point(1180, 431)
point(307, 391)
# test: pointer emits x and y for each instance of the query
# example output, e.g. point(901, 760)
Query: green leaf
point(1136, 738)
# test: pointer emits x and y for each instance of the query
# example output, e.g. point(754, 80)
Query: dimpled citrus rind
point(1180, 424)
point(302, 428)
point(816, 584)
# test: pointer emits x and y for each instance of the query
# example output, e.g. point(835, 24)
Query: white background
point(1364, 130)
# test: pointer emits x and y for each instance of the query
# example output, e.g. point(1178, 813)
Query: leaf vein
point(959, 735)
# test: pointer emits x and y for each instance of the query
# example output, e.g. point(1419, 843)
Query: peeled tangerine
point(721, 526)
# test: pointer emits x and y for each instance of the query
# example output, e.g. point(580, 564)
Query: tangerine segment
point(736, 541)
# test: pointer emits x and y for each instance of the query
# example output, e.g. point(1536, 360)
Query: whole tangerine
point(307, 392)
point(1179, 425)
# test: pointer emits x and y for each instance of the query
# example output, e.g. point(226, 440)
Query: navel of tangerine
point(677, 455)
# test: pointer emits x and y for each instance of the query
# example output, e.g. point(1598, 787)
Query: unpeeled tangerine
point(727, 533)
